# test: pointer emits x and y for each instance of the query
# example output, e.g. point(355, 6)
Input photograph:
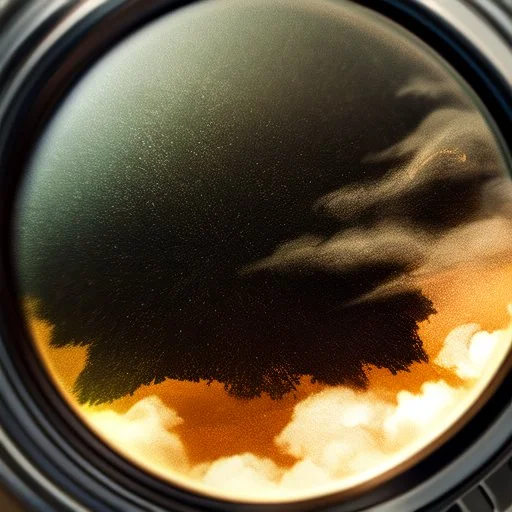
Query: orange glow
point(337, 436)
point(209, 431)
point(468, 294)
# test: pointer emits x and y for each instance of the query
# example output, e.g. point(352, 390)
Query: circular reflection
point(264, 248)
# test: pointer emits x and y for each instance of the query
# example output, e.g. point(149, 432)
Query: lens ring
point(405, 12)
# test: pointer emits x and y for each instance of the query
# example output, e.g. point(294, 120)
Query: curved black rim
point(55, 441)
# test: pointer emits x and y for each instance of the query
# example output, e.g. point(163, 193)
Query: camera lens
point(260, 253)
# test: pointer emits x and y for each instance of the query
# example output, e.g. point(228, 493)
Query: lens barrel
point(48, 458)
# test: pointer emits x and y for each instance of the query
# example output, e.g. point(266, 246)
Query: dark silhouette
point(152, 197)
point(260, 337)
point(145, 319)
point(148, 269)
point(168, 182)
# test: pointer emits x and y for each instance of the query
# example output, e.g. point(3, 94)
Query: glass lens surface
point(264, 248)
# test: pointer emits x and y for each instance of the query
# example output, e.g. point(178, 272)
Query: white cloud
point(335, 435)
point(246, 474)
point(468, 349)
point(145, 432)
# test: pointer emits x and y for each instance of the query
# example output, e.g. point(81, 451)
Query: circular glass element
point(264, 248)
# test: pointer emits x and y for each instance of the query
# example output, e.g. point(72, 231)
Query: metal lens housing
point(255, 254)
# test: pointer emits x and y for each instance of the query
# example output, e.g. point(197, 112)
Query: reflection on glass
point(265, 248)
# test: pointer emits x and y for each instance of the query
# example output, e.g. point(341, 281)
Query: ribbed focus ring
point(494, 494)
